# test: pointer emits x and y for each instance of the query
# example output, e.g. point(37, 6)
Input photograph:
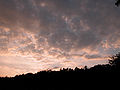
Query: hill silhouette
point(65, 79)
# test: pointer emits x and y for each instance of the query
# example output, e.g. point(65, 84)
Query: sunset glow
point(38, 35)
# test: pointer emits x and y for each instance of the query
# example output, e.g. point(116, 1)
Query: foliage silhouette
point(65, 78)
point(117, 3)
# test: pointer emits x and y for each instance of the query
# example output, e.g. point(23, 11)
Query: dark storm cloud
point(62, 24)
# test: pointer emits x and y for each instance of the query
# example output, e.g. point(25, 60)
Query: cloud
point(64, 30)
point(60, 23)
point(93, 56)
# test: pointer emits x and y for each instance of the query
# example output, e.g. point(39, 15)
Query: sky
point(38, 35)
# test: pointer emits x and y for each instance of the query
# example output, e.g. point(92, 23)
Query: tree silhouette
point(51, 80)
point(115, 62)
point(117, 3)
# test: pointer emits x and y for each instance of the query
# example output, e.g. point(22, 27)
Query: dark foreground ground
point(64, 81)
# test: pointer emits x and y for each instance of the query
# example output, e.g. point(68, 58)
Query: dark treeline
point(65, 78)
point(117, 3)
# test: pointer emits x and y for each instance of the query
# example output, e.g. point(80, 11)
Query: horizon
point(37, 35)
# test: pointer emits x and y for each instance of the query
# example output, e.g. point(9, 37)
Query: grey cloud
point(87, 23)
point(25, 41)
point(59, 33)
point(27, 49)
point(95, 56)
point(6, 37)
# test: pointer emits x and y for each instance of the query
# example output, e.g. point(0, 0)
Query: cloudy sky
point(38, 35)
